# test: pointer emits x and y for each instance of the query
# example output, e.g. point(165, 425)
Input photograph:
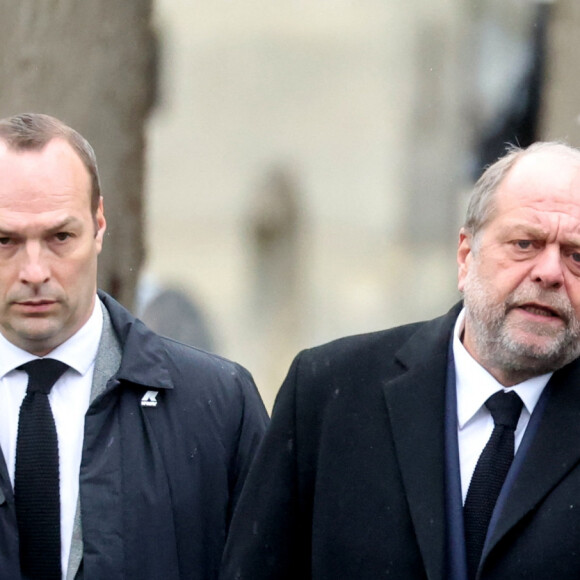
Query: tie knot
point(505, 408)
point(42, 374)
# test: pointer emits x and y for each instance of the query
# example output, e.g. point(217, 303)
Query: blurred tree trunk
point(561, 109)
point(91, 64)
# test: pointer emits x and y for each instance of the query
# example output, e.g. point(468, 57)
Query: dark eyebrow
point(8, 234)
point(64, 224)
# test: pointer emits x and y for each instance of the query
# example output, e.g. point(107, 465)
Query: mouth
point(37, 305)
point(539, 310)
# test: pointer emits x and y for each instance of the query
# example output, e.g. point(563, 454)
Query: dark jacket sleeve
point(252, 425)
point(268, 539)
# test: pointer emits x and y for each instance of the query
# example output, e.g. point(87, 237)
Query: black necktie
point(36, 475)
point(490, 473)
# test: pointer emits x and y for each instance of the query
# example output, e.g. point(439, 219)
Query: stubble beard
point(495, 334)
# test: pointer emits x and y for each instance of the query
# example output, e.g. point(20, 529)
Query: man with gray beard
point(391, 454)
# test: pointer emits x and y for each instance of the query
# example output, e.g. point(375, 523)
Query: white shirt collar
point(475, 385)
point(79, 351)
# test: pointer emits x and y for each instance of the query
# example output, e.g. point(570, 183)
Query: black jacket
point(349, 482)
point(158, 484)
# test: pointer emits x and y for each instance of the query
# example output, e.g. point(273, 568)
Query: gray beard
point(493, 335)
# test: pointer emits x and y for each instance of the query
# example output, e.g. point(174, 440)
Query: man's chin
point(542, 353)
point(40, 337)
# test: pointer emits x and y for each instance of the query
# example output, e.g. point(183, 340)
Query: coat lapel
point(416, 406)
point(547, 461)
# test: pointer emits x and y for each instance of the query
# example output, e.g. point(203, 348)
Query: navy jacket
point(158, 484)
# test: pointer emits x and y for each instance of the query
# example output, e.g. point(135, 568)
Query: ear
point(101, 225)
point(464, 256)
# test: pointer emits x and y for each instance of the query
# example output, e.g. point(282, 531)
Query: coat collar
point(145, 358)
point(416, 406)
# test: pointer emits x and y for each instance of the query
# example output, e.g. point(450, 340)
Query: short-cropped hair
point(33, 131)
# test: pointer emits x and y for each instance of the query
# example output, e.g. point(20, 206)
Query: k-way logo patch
point(149, 399)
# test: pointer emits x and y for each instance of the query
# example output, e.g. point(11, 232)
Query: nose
point(34, 269)
point(547, 270)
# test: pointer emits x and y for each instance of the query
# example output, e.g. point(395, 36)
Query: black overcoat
point(349, 483)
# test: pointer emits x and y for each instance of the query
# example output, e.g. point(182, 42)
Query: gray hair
point(481, 206)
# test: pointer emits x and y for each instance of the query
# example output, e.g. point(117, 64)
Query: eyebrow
point(67, 222)
point(526, 228)
point(536, 232)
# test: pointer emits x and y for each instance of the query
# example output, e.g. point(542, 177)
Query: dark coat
point(158, 484)
point(349, 482)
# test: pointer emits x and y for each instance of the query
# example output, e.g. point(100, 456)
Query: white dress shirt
point(69, 401)
point(474, 422)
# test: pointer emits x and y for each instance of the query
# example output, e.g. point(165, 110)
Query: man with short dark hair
point(391, 455)
point(123, 453)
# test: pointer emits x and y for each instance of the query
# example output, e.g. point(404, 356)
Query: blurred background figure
point(172, 312)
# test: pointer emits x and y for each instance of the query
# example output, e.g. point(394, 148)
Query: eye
point(4, 241)
point(62, 236)
point(575, 257)
point(523, 244)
